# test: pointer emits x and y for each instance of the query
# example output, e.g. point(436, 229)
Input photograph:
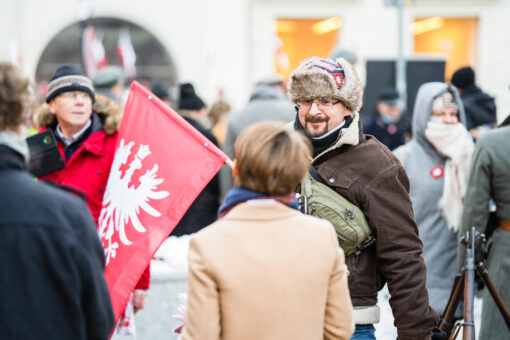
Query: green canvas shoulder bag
point(318, 199)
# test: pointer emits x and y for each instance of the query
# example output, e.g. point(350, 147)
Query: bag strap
point(307, 183)
point(315, 175)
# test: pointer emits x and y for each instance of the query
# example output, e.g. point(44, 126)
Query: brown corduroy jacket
point(364, 171)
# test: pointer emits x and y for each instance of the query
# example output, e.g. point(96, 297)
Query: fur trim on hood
point(307, 83)
point(109, 111)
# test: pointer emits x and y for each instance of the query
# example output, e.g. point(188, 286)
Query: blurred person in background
point(264, 270)
point(347, 54)
point(268, 101)
point(52, 284)
point(85, 126)
point(328, 95)
point(480, 107)
point(387, 123)
point(218, 116)
point(489, 179)
point(437, 162)
point(109, 82)
point(351, 56)
point(160, 90)
point(192, 107)
point(203, 211)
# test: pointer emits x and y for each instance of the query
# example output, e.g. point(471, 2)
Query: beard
point(316, 130)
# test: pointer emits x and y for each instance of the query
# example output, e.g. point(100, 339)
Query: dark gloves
point(437, 334)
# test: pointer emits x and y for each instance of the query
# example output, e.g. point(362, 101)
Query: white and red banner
point(161, 164)
point(94, 54)
point(126, 53)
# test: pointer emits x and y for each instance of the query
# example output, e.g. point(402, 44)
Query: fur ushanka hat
point(325, 78)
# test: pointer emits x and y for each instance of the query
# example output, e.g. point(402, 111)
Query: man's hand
point(139, 299)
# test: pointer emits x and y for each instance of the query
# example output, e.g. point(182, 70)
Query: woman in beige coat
point(265, 271)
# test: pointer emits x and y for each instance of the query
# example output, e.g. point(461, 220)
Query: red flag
point(161, 164)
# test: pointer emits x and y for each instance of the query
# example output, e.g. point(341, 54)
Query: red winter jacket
point(88, 168)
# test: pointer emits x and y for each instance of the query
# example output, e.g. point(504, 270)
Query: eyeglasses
point(75, 95)
point(322, 104)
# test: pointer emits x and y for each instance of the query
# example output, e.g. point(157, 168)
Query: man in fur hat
point(328, 96)
point(85, 126)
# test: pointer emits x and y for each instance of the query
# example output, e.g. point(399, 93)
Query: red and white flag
point(126, 53)
point(94, 54)
point(161, 164)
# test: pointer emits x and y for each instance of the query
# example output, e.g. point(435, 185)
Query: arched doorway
point(152, 60)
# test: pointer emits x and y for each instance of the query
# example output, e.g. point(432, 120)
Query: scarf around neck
point(322, 143)
point(238, 195)
point(455, 143)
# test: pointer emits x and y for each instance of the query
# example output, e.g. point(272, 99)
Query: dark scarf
point(322, 144)
point(238, 195)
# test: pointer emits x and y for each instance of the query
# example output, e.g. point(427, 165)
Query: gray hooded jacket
point(420, 158)
point(266, 103)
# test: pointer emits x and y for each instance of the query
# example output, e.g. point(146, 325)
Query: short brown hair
point(15, 96)
point(271, 158)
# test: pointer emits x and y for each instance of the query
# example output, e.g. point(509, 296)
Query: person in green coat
point(490, 179)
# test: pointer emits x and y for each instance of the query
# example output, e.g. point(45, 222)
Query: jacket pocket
point(363, 280)
point(339, 178)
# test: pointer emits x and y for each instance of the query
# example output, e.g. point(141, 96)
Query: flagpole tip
point(229, 162)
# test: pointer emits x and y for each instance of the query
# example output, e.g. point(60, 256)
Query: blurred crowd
point(420, 176)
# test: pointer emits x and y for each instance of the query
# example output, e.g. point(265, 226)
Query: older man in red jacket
point(85, 127)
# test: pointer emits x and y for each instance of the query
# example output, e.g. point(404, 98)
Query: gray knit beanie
point(69, 78)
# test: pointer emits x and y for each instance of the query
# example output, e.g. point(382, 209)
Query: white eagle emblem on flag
point(122, 202)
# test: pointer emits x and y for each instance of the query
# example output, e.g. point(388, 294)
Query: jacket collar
point(95, 139)
point(348, 136)
point(259, 210)
point(10, 159)
point(11, 142)
point(95, 143)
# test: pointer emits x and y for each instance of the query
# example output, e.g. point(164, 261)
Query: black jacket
point(204, 209)
point(480, 107)
point(391, 135)
point(52, 284)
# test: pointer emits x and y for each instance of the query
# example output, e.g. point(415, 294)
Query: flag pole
point(229, 162)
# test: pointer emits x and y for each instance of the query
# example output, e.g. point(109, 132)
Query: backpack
point(319, 200)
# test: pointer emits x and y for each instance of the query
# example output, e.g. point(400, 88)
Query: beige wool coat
point(266, 271)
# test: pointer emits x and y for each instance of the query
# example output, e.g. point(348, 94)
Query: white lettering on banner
point(122, 202)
